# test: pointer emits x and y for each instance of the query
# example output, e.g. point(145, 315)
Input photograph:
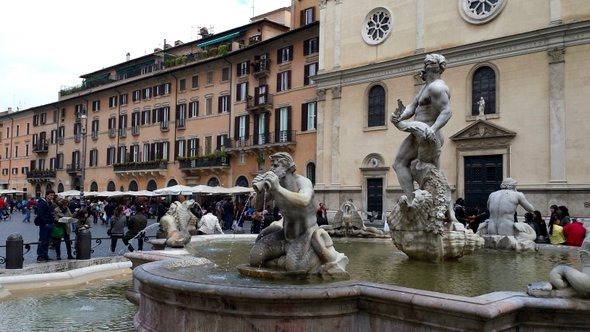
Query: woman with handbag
point(62, 230)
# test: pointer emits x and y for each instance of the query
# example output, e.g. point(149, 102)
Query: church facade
point(516, 75)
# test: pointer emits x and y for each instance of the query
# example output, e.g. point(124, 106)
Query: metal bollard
point(14, 251)
point(83, 246)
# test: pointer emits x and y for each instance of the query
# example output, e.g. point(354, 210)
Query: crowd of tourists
point(59, 218)
point(560, 228)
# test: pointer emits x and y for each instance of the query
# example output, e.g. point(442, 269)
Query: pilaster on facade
point(557, 114)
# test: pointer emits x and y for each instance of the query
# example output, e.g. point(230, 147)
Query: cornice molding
point(541, 40)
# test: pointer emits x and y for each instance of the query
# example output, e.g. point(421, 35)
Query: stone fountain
point(180, 293)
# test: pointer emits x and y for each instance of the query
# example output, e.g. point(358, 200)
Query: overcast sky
point(47, 44)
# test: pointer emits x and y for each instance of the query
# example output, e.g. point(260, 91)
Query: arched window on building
point(376, 107)
point(213, 182)
point(171, 183)
point(93, 186)
point(133, 186)
point(111, 186)
point(483, 85)
point(38, 191)
point(60, 188)
point(48, 187)
point(241, 181)
point(310, 170)
point(152, 185)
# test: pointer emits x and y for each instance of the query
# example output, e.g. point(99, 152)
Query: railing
point(40, 174)
point(73, 168)
point(141, 166)
point(164, 125)
point(122, 132)
point(261, 68)
point(201, 162)
point(82, 247)
point(180, 123)
point(284, 137)
point(179, 60)
point(41, 147)
point(112, 132)
point(60, 140)
point(260, 102)
point(94, 134)
point(135, 130)
point(78, 138)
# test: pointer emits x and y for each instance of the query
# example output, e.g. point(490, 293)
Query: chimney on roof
point(128, 56)
point(178, 43)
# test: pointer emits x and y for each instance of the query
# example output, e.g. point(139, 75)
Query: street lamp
point(84, 117)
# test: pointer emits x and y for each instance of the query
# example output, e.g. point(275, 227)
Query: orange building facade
point(209, 111)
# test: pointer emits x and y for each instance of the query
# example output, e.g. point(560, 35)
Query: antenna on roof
point(253, 8)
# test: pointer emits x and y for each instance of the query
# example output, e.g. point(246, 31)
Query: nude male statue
point(502, 205)
point(299, 244)
point(431, 109)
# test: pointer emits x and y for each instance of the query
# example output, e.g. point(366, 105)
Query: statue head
point(283, 159)
point(437, 59)
point(509, 183)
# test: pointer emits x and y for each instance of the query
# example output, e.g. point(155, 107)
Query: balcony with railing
point(214, 162)
point(135, 130)
point(41, 147)
point(94, 134)
point(278, 141)
point(78, 138)
point(112, 132)
point(165, 125)
point(122, 132)
point(261, 68)
point(259, 103)
point(153, 167)
point(40, 175)
point(74, 168)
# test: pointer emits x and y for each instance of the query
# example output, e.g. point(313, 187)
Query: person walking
point(136, 225)
point(45, 220)
point(117, 227)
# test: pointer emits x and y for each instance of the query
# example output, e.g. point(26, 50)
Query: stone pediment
point(482, 129)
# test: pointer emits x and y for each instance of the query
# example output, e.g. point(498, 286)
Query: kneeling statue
point(296, 244)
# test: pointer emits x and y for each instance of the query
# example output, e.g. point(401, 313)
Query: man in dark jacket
point(45, 220)
point(137, 224)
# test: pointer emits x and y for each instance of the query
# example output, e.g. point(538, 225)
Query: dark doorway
point(483, 175)
point(375, 196)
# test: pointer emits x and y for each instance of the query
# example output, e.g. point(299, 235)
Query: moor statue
point(296, 244)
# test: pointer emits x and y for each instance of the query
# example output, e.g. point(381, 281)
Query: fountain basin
point(184, 294)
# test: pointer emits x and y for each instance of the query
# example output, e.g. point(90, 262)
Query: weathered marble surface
point(565, 281)
point(179, 223)
point(296, 243)
point(422, 223)
point(500, 231)
point(348, 222)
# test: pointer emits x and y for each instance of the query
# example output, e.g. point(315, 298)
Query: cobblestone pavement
point(30, 234)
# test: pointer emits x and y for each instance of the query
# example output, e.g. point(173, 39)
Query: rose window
point(480, 11)
point(377, 26)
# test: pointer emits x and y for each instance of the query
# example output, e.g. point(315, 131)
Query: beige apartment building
point(17, 149)
point(527, 59)
point(208, 111)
